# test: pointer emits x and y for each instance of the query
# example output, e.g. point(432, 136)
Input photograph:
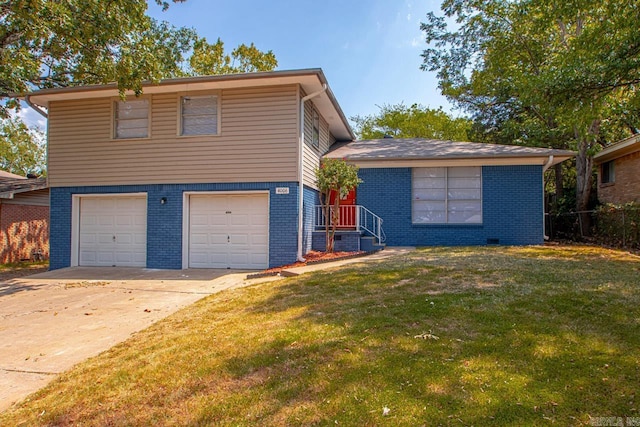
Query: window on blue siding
point(447, 195)
point(132, 119)
point(199, 115)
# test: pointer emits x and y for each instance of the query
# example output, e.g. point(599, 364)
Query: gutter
point(299, 256)
point(544, 214)
point(27, 99)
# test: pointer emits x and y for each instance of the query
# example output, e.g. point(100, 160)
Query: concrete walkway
point(54, 320)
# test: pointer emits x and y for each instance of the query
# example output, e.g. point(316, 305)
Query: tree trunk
point(326, 209)
point(584, 170)
point(559, 182)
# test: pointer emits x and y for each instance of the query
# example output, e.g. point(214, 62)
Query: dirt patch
point(13, 272)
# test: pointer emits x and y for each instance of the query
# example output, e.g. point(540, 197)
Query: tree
point(46, 43)
point(415, 121)
point(211, 59)
point(338, 177)
point(22, 149)
point(518, 68)
point(59, 43)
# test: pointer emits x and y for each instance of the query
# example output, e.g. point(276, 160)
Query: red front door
point(347, 209)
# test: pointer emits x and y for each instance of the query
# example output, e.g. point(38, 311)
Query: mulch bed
point(313, 257)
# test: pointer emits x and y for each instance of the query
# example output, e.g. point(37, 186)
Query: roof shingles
point(432, 149)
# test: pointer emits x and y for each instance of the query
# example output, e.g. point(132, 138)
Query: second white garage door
point(229, 231)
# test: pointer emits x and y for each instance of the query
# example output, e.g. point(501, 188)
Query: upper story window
point(199, 115)
point(131, 119)
point(608, 173)
point(315, 137)
point(450, 195)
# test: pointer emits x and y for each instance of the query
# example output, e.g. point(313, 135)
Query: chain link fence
point(617, 226)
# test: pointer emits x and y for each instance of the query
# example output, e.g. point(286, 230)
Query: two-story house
point(218, 172)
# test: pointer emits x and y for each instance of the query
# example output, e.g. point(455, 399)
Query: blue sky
point(368, 49)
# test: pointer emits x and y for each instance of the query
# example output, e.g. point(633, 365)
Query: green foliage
point(415, 121)
point(339, 177)
point(45, 43)
point(211, 59)
point(519, 68)
point(22, 150)
point(619, 225)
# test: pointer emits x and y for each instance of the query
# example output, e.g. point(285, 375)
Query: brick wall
point(23, 230)
point(512, 208)
point(164, 221)
point(626, 187)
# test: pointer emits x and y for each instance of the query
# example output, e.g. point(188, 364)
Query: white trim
point(619, 149)
point(185, 216)
point(75, 218)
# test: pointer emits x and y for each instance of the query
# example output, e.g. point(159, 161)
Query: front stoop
point(369, 244)
point(346, 241)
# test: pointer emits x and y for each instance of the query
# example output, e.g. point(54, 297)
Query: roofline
point(618, 149)
point(539, 159)
point(180, 80)
point(10, 193)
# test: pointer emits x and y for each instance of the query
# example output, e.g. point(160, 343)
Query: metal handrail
point(353, 217)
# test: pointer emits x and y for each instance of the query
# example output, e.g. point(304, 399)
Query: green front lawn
point(443, 336)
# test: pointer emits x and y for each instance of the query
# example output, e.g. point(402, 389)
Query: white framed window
point(131, 118)
point(448, 195)
point(315, 136)
point(199, 115)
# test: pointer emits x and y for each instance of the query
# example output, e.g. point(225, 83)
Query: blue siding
point(512, 208)
point(164, 221)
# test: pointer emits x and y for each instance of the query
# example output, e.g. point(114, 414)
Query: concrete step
point(369, 244)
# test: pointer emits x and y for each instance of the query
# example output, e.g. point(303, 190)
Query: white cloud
point(409, 17)
point(31, 118)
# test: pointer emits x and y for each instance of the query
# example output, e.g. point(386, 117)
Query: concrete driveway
point(53, 320)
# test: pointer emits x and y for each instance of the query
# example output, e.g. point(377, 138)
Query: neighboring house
point(619, 172)
point(218, 172)
point(24, 218)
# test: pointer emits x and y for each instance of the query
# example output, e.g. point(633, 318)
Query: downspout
point(35, 107)
point(301, 171)
point(544, 219)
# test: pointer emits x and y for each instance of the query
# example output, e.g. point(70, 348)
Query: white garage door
point(229, 231)
point(113, 231)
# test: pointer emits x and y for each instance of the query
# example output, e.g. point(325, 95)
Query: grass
point(442, 336)
point(23, 268)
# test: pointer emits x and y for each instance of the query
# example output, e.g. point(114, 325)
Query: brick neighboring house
point(619, 172)
point(24, 218)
